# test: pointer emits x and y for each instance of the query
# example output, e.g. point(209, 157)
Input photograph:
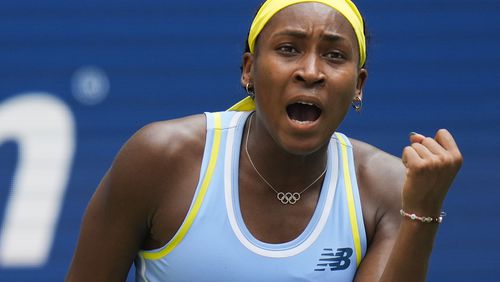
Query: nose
point(309, 71)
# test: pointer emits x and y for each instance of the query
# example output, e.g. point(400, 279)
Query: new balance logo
point(334, 261)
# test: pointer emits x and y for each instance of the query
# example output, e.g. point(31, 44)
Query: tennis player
point(269, 190)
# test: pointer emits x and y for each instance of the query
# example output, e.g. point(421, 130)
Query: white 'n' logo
point(44, 129)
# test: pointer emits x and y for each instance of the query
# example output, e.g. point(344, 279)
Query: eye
point(335, 55)
point(287, 50)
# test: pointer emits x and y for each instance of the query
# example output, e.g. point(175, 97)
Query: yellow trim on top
point(179, 236)
point(350, 199)
point(247, 104)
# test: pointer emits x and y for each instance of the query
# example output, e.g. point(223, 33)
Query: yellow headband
point(345, 7)
point(271, 7)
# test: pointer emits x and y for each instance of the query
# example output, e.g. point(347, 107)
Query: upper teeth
point(306, 103)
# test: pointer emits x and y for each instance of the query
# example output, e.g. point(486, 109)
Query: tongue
point(301, 112)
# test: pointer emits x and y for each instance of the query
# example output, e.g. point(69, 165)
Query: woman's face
point(305, 74)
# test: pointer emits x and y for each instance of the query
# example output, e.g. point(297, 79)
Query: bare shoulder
point(153, 163)
point(161, 163)
point(156, 155)
point(380, 177)
point(168, 137)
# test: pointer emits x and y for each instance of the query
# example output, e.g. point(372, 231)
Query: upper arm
point(110, 235)
point(118, 217)
point(380, 178)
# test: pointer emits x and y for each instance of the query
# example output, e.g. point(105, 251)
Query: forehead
point(310, 16)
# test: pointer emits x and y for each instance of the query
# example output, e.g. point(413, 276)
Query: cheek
point(343, 87)
point(269, 69)
point(270, 80)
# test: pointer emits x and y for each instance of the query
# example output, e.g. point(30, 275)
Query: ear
point(362, 76)
point(247, 69)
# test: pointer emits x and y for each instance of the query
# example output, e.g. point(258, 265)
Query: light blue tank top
point(213, 243)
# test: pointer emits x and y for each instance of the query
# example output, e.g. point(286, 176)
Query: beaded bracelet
point(423, 219)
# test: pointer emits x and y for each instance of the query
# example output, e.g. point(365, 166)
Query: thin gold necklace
point(284, 197)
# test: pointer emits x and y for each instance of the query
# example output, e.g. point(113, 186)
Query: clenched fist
point(431, 165)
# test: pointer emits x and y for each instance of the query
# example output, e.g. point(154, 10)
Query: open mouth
point(303, 112)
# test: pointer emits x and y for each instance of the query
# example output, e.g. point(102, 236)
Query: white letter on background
point(44, 128)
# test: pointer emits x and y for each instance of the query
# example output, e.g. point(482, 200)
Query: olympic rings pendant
point(288, 198)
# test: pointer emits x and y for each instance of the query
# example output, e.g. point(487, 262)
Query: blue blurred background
point(77, 78)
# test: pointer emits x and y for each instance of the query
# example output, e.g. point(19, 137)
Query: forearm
point(410, 255)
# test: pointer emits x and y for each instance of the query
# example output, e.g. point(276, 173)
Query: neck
point(284, 170)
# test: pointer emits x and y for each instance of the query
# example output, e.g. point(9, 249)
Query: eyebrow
point(292, 33)
point(334, 37)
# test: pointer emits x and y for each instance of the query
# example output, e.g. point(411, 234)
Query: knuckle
point(437, 164)
point(444, 162)
point(458, 160)
point(427, 165)
point(415, 145)
point(428, 140)
point(419, 167)
point(438, 161)
point(445, 159)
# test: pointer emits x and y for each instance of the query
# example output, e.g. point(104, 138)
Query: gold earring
point(357, 104)
point(250, 90)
